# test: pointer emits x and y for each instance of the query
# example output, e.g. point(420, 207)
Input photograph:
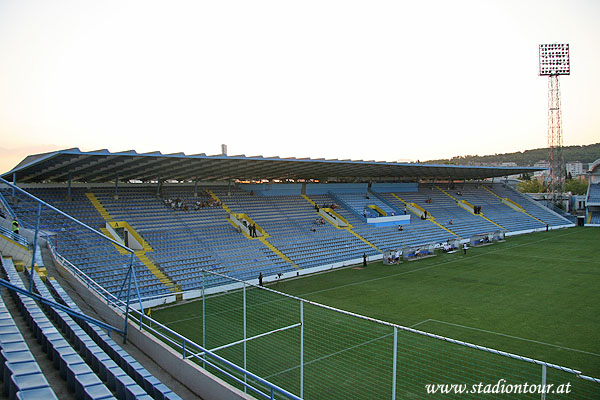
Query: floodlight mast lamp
point(554, 61)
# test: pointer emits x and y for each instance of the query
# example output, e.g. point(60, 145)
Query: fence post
point(203, 320)
point(129, 272)
point(245, 375)
point(395, 357)
point(543, 382)
point(301, 349)
point(37, 229)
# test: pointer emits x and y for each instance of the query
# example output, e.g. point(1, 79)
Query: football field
point(533, 295)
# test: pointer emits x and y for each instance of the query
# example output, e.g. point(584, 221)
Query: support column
point(196, 187)
point(229, 187)
point(158, 186)
point(116, 196)
point(69, 188)
point(14, 184)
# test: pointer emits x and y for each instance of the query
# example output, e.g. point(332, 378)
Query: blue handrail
point(14, 236)
point(7, 207)
point(43, 203)
point(346, 205)
point(59, 306)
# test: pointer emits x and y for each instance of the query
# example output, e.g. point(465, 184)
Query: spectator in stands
point(15, 226)
point(459, 193)
point(429, 201)
point(450, 222)
point(365, 212)
point(316, 207)
point(322, 221)
point(404, 210)
point(425, 214)
point(400, 228)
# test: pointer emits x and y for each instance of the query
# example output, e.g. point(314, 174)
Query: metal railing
point(15, 237)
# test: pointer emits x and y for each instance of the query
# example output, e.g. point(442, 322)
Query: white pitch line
point(514, 337)
point(419, 323)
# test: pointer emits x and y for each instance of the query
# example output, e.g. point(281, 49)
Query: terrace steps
point(262, 239)
point(140, 254)
point(430, 217)
point(521, 209)
point(98, 206)
point(480, 214)
point(348, 227)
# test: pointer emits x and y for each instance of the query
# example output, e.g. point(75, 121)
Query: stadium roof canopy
point(103, 166)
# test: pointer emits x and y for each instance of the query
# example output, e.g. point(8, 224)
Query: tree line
point(585, 154)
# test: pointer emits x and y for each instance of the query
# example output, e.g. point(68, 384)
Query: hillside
point(585, 154)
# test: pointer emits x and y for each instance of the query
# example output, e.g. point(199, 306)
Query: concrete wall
point(9, 248)
point(395, 187)
point(324, 188)
point(268, 189)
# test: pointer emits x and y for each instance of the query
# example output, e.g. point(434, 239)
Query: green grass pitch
point(534, 295)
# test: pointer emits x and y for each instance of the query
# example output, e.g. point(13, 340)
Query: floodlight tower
point(554, 61)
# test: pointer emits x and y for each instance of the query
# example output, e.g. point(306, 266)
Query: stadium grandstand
point(593, 195)
point(130, 231)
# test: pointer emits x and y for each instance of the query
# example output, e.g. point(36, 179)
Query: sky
point(368, 80)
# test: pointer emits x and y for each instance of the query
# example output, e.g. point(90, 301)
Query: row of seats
point(21, 373)
point(594, 193)
point(93, 365)
point(81, 380)
point(123, 374)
